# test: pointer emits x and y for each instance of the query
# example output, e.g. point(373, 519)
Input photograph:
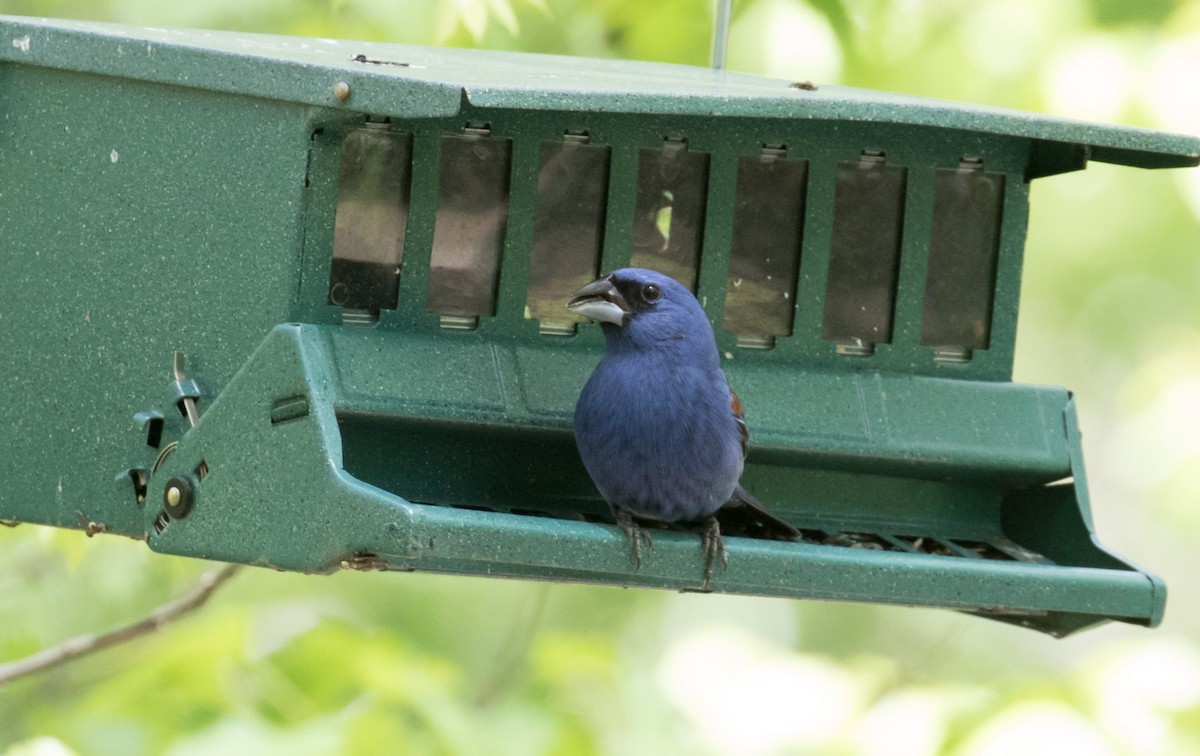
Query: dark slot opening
point(139, 478)
point(474, 508)
point(668, 226)
point(371, 219)
point(469, 226)
point(490, 467)
point(154, 431)
point(963, 246)
point(568, 229)
point(764, 259)
point(860, 291)
point(531, 512)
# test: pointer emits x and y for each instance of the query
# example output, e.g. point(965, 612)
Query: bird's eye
point(651, 293)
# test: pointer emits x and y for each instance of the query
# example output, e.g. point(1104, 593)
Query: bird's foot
point(636, 535)
point(712, 546)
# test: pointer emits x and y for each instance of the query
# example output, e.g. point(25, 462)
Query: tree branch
point(82, 645)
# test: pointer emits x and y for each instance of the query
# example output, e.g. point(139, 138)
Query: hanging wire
point(720, 37)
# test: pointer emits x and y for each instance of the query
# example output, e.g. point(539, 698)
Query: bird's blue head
point(645, 309)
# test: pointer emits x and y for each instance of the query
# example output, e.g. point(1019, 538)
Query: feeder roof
point(420, 82)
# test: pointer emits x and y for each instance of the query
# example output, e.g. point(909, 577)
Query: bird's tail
point(745, 515)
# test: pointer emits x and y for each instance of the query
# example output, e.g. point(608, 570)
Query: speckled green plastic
point(174, 191)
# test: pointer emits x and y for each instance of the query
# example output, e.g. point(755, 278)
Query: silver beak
point(600, 301)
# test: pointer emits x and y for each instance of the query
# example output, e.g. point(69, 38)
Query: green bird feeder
point(299, 303)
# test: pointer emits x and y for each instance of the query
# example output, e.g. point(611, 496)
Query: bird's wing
point(743, 514)
point(735, 404)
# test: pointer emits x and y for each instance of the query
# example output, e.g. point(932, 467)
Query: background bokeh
point(377, 663)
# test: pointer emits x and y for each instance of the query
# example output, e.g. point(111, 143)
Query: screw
point(341, 91)
point(179, 495)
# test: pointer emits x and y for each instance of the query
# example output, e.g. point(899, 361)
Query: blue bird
point(658, 428)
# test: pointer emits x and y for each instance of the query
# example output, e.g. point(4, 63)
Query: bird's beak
point(600, 301)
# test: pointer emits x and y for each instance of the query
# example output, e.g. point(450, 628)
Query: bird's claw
point(712, 546)
point(635, 535)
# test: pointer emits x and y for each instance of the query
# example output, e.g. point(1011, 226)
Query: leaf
point(470, 14)
point(504, 13)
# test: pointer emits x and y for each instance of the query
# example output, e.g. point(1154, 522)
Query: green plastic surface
point(438, 82)
point(168, 191)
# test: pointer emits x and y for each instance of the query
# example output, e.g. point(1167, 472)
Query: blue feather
point(654, 423)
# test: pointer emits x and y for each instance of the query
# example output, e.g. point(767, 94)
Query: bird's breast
point(659, 440)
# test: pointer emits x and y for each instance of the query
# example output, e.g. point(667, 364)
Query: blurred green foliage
point(363, 663)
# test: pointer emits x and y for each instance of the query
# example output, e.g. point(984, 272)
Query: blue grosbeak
point(659, 430)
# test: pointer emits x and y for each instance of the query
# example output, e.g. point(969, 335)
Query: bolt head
point(179, 495)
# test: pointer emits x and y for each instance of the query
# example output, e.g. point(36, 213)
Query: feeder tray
point(300, 304)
